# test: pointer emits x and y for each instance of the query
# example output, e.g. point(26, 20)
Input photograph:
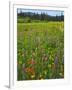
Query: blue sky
point(49, 12)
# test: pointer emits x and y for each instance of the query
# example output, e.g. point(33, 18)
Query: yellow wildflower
point(20, 62)
point(60, 74)
point(41, 78)
point(49, 65)
point(32, 76)
point(45, 72)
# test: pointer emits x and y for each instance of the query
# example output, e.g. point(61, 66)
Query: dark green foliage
point(40, 17)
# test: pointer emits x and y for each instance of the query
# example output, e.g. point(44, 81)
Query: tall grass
point(40, 50)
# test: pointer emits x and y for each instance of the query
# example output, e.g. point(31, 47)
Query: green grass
point(40, 50)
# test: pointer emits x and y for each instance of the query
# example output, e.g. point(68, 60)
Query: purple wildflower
point(56, 60)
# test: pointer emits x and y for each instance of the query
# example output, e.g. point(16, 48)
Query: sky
point(49, 12)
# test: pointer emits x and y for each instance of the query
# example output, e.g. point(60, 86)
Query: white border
point(13, 46)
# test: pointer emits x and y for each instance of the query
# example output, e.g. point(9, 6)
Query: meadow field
point(40, 50)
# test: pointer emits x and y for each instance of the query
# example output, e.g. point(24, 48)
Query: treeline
point(39, 17)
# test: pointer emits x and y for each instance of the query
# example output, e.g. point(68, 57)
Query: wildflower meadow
point(40, 48)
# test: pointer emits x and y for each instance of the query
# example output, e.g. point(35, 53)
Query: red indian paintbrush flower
point(32, 62)
point(30, 70)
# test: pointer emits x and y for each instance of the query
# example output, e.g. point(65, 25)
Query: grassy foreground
point(40, 50)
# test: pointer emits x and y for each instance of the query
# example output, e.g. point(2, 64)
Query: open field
point(40, 50)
